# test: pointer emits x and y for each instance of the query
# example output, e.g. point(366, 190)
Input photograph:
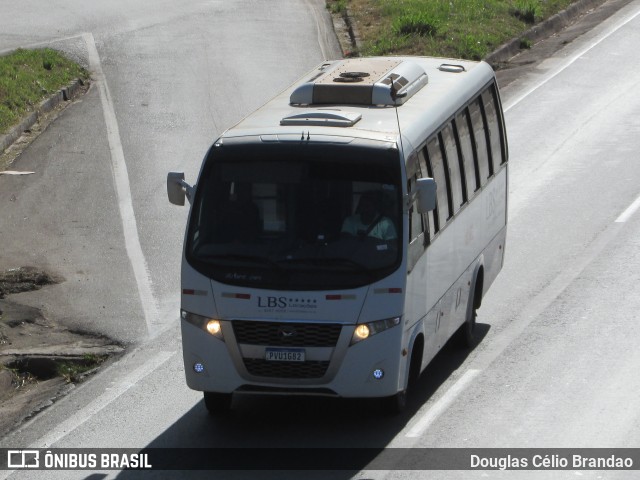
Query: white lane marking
point(442, 404)
point(545, 297)
point(512, 103)
point(528, 314)
point(631, 209)
point(72, 423)
point(123, 189)
point(320, 30)
point(124, 385)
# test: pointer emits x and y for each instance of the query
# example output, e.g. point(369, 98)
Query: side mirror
point(178, 189)
point(426, 194)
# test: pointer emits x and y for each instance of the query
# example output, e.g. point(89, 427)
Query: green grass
point(29, 76)
point(337, 6)
point(418, 23)
point(527, 11)
point(72, 370)
point(468, 29)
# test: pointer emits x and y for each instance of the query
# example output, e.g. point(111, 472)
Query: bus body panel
point(383, 299)
point(354, 372)
point(452, 257)
point(196, 294)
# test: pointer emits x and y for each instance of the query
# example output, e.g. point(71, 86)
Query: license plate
point(284, 355)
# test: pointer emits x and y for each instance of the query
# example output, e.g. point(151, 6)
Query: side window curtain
point(432, 216)
point(458, 196)
point(467, 152)
point(417, 235)
point(416, 227)
point(493, 125)
point(480, 139)
point(437, 167)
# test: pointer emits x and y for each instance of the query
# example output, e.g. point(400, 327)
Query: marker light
point(366, 330)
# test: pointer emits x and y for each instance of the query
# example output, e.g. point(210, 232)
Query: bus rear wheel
point(217, 403)
point(466, 334)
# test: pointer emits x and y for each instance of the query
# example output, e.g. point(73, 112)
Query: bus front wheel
point(395, 404)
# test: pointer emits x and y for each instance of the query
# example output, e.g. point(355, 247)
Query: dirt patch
point(24, 279)
point(39, 359)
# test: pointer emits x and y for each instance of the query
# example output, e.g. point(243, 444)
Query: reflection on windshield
point(292, 219)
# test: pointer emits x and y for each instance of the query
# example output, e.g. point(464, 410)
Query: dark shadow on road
point(261, 422)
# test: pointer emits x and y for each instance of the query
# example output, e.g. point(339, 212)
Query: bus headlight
point(362, 331)
point(366, 330)
point(212, 326)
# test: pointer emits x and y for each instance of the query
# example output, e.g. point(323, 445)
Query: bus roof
point(357, 98)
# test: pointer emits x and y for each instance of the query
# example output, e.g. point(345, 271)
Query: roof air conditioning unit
point(362, 81)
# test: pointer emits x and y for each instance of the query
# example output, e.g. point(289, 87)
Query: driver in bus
point(368, 221)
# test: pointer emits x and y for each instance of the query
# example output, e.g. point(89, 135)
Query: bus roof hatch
point(323, 118)
point(362, 81)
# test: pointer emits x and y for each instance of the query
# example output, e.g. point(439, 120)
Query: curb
point(349, 39)
point(543, 30)
point(63, 95)
point(346, 32)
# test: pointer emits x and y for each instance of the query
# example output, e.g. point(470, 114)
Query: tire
point(395, 404)
point(217, 403)
point(466, 334)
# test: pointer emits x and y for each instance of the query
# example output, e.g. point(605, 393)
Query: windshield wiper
point(348, 262)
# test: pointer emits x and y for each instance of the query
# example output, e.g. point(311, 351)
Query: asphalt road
point(169, 78)
point(557, 365)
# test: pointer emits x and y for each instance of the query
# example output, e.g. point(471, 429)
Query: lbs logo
point(272, 302)
point(287, 302)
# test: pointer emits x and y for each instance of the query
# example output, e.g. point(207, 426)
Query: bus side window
point(458, 196)
point(466, 149)
point(489, 101)
point(437, 172)
point(480, 139)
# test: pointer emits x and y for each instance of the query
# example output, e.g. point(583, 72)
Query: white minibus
point(341, 234)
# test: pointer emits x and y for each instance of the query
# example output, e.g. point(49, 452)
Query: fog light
point(378, 373)
point(198, 367)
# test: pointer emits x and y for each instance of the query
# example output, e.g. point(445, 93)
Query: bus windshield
point(297, 217)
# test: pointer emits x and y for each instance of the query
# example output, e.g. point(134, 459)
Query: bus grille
point(286, 334)
point(263, 368)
